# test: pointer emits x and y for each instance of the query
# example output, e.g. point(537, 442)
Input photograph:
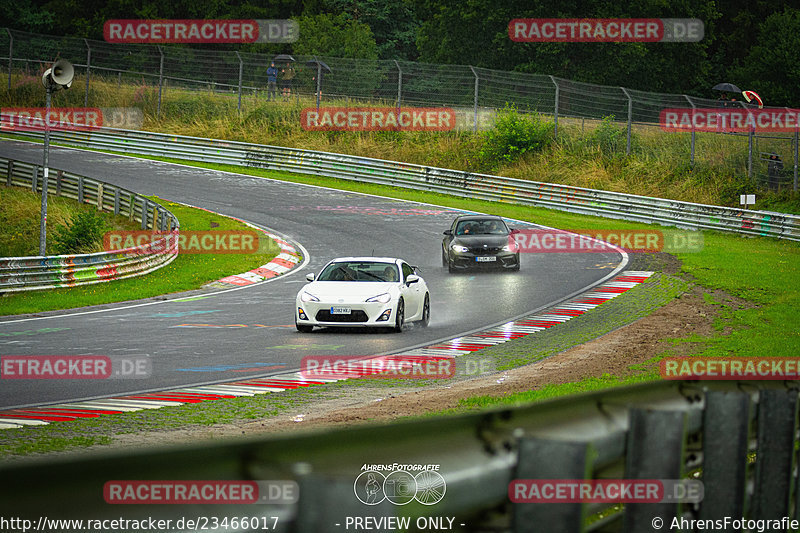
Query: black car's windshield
point(481, 227)
point(359, 271)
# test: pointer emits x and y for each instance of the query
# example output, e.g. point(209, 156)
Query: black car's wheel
point(451, 267)
point(426, 312)
point(304, 328)
point(515, 268)
point(399, 316)
point(444, 259)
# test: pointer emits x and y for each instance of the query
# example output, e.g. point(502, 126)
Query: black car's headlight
point(459, 248)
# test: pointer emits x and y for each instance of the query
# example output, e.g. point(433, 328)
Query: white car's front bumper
point(361, 314)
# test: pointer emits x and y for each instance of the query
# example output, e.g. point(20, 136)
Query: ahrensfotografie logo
point(399, 484)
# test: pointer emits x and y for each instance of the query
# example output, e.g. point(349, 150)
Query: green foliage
point(771, 67)
point(335, 36)
point(514, 135)
point(83, 233)
point(611, 138)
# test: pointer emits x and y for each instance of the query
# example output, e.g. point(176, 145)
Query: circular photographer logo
point(399, 487)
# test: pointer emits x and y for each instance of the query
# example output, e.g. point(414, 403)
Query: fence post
point(10, 55)
point(34, 177)
point(399, 85)
point(795, 159)
point(319, 80)
point(475, 118)
point(630, 118)
point(691, 159)
point(88, 67)
point(160, 78)
point(555, 109)
point(750, 153)
point(241, 66)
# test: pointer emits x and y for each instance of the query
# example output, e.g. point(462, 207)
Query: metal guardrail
point(46, 272)
point(738, 438)
point(459, 183)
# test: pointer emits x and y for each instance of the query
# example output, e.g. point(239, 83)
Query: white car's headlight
point(382, 298)
point(306, 297)
point(459, 248)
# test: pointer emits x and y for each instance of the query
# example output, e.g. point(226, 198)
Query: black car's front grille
point(356, 315)
point(485, 251)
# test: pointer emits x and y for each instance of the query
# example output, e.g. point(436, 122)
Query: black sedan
point(479, 241)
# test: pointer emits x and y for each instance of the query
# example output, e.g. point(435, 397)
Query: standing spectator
point(287, 77)
point(272, 82)
point(774, 168)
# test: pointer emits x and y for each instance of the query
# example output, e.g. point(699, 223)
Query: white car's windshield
point(359, 271)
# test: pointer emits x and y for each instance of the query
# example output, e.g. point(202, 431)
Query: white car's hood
point(348, 291)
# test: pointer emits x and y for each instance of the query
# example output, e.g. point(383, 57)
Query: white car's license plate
point(340, 310)
point(485, 259)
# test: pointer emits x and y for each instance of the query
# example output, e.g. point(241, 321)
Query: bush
point(83, 234)
point(611, 138)
point(514, 135)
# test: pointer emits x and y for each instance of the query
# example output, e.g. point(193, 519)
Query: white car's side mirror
point(412, 279)
point(310, 276)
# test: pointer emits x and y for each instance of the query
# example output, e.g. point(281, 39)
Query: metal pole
point(750, 153)
point(691, 160)
point(630, 118)
point(240, 81)
point(475, 116)
point(160, 79)
point(45, 164)
point(88, 66)
point(399, 85)
point(555, 110)
point(319, 75)
point(10, 55)
point(795, 159)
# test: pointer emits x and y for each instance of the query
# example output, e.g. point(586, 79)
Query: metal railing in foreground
point(453, 182)
point(45, 272)
point(738, 438)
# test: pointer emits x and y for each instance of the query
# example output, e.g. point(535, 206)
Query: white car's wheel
point(426, 312)
point(399, 316)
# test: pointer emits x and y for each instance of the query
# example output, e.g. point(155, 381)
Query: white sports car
point(363, 291)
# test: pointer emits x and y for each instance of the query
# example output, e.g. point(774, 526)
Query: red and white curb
point(281, 264)
point(521, 327)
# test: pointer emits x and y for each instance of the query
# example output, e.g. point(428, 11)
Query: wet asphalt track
point(250, 332)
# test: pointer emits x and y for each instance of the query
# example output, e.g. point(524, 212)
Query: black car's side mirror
point(447, 232)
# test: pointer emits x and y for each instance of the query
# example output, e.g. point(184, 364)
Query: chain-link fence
point(475, 93)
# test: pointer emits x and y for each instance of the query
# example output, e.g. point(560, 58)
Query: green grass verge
point(20, 217)
point(187, 272)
